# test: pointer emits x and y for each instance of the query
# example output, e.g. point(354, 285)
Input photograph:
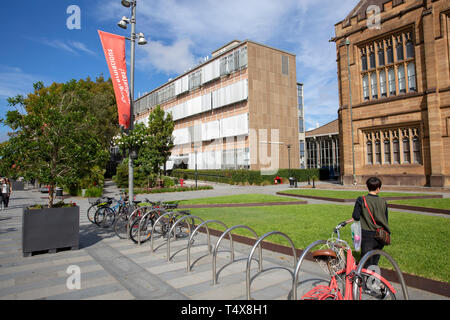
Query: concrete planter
point(50, 229)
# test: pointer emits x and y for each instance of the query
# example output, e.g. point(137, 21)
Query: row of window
point(233, 61)
point(390, 81)
point(323, 152)
point(384, 50)
point(393, 146)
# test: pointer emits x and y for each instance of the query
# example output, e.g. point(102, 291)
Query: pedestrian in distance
point(6, 189)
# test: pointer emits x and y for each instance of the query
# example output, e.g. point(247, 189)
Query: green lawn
point(240, 198)
point(443, 203)
point(419, 243)
point(344, 194)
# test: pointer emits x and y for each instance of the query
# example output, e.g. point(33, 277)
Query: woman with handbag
point(372, 212)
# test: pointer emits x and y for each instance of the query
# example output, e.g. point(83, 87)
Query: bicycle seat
point(324, 254)
point(171, 205)
point(137, 201)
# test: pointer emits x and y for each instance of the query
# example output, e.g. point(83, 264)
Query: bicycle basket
point(331, 264)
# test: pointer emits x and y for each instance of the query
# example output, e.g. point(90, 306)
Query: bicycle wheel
point(120, 226)
point(146, 230)
point(104, 217)
point(375, 287)
point(91, 212)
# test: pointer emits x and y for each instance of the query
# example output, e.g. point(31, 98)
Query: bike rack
point(144, 216)
point(258, 243)
point(170, 213)
point(363, 261)
point(173, 228)
point(209, 239)
point(299, 264)
point(231, 249)
point(130, 219)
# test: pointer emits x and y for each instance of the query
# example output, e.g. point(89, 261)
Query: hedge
point(252, 177)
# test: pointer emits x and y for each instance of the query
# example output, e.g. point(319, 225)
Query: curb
point(230, 205)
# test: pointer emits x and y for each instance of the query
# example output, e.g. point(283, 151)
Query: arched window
point(409, 49)
point(396, 148)
point(406, 151)
point(390, 54)
point(399, 44)
point(364, 61)
point(416, 150)
point(381, 54)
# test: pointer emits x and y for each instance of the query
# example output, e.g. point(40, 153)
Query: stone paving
point(113, 268)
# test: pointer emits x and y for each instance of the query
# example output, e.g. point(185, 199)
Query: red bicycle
point(335, 258)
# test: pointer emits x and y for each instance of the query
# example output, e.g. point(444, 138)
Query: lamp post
point(141, 41)
point(347, 44)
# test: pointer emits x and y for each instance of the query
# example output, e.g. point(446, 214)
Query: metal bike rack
point(209, 239)
point(258, 243)
point(363, 261)
point(145, 216)
point(299, 264)
point(170, 213)
point(130, 219)
point(231, 248)
point(173, 228)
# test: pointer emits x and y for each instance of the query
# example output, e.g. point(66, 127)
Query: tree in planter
point(52, 141)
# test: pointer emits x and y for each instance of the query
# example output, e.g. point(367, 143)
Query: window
point(383, 89)
point(390, 54)
point(195, 80)
point(406, 151)
point(381, 54)
point(374, 86)
point(387, 151)
point(301, 128)
point(411, 76)
point(285, 65)
point(372, 60)
point(391, 79)
point(409, 49)
point(377, 152)
point(399, 45)
point(369, 152)
point(401, 79)
point(396, 148)
point(364, 62)
point(366, 87)
point(416, 150)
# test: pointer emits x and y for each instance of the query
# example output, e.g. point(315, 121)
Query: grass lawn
point(240, 198)
point(443, 203)
point(419, 243)
point(344, 194)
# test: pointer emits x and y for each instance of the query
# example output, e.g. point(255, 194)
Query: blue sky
point(38, 45)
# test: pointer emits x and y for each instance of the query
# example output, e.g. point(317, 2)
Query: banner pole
point(130, 158)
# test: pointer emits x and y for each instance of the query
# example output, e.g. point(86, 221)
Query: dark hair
point(373, 183)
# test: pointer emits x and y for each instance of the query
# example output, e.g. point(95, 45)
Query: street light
point(347, 44)
point(141, 41)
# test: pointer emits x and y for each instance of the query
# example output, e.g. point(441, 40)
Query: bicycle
point(337, 261)
point(122, 219)
point(145, 221)
point(93, 208)
point(104, 215)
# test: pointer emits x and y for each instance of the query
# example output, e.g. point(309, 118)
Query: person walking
point(8, 190)
point(2, 195)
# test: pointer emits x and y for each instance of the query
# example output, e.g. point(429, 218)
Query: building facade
point(397, 113)
point(238, 109)
point(322, 148)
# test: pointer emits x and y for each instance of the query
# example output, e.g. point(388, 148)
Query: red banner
point(114, 49)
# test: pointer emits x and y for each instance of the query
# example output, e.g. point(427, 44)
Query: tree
point(152, 142)
point(54, 140)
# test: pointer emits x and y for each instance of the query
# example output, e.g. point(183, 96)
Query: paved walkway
point(118, 269)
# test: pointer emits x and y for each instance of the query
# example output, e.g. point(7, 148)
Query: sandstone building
point(400, 92)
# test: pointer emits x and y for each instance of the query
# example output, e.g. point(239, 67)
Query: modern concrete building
point(398, 116)
point(322, 148)
point(237, 109)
